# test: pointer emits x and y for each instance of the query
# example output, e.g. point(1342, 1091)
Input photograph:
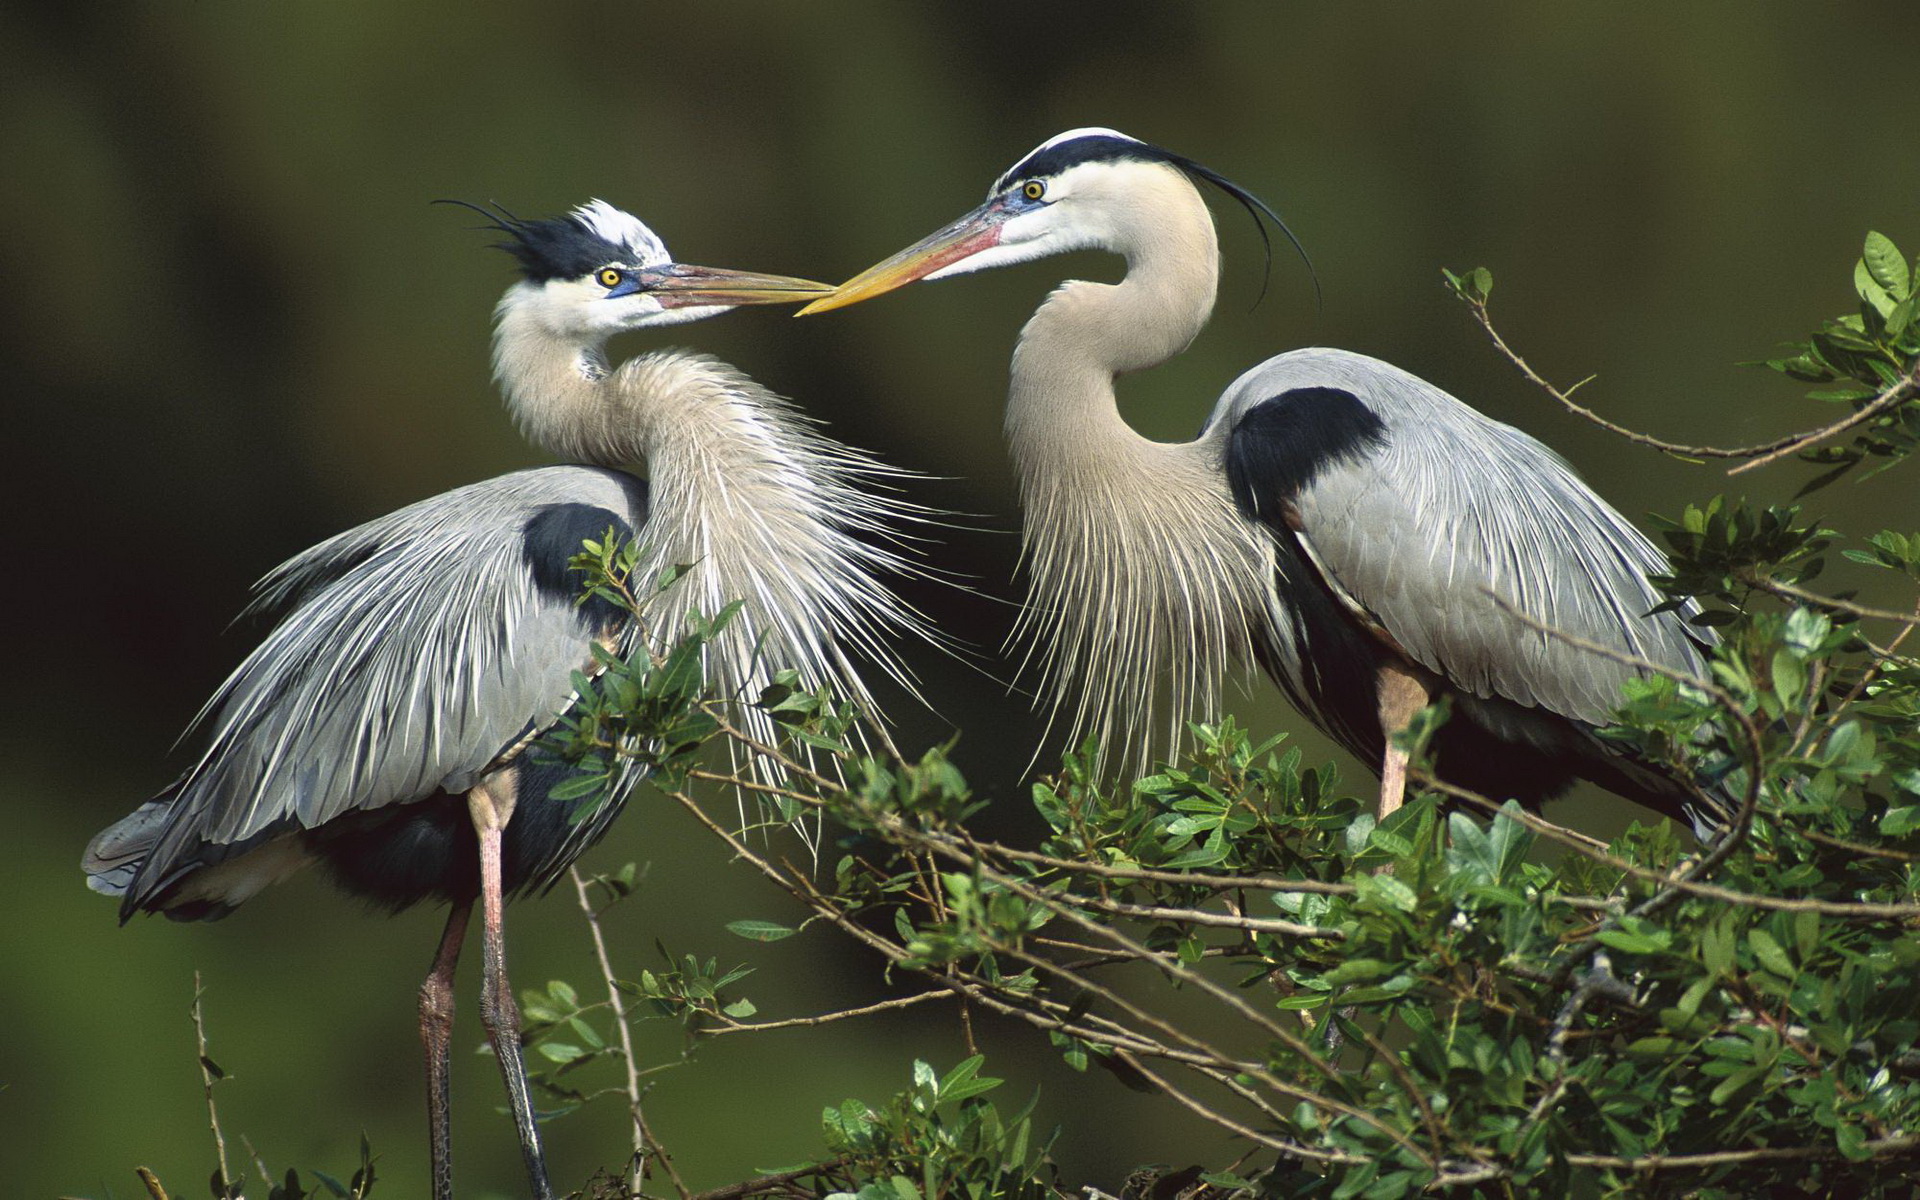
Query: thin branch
point(1264, 883)
point(1852, 847)
point(844, 1014)
point(1888, 1147)
point(207, 1078)
point(1196, 916)
point(1480, 314)
point(767, 1183)
point(1788, 591)
point(1832, 908)
point(1897, 393)
point(1284, 1145)
point(644, 1143)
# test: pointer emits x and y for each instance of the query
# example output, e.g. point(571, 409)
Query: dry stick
point(1196, 916)
point(1266, 883)
point(1899, 1145)
point(206, 1083)
point(1894, 395)
point(767, 1183)
point(644, 1143)
point(733, 1026)
point(1851, 847)
point(1713, 891)
point(1029, 1011)
point(1226, 997)
point(151, 1182)
point(259, 1164)
point(1907, 620)
point(1408, 1084)
point(1285, 1146)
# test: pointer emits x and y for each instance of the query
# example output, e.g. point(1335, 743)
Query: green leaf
point(1735, 1082)
point(1789, 676)
point(1387, 892)
point(1874, 294)
point(1771, 954)
point(1631, 943)
point(1899, 822)
point(1851, 1140)
point(561, 1052)
point(760, 931)
point(1888, 268)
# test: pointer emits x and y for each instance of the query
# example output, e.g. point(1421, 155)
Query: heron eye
point(611, 276)
point(1033, 189)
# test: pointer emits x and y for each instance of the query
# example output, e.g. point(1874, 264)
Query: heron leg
point(436, 1034)
point(1400, 692)
point(491, 805)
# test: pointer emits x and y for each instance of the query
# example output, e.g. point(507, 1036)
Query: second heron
point(1365, 537)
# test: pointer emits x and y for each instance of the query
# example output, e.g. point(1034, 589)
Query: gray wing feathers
point(417, 648)
point(1456, 509)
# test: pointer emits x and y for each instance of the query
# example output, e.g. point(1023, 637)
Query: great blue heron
point(380, 727)
point(1350, 527)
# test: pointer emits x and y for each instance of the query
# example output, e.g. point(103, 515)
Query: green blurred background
point(233, 325)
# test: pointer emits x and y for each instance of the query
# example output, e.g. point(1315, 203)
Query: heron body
point(381, 727)
point(1360, 534)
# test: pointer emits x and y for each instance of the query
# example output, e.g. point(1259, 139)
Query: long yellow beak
point(969, 235)
point(683, 285)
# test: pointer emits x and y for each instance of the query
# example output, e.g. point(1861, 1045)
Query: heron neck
point(1142, 581)
point(1062, 415)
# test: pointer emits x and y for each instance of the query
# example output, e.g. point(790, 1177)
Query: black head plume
point(577, 244)
point(1108, 146)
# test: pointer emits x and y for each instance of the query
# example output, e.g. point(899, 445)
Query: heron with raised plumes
point(381, 727)
point(1369, 540)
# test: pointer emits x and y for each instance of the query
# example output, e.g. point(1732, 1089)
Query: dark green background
point(233, 325)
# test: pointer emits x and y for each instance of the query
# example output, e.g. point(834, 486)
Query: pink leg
point(1401, 693)
point(436, 1034)
point(491, 806)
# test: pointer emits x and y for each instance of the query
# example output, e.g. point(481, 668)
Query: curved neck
point(1061, 409)
point(740, 488)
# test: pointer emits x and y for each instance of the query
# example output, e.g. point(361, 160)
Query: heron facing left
point(380, 728)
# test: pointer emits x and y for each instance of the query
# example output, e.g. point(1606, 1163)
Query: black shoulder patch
point(1282, 445)
point(553, 536)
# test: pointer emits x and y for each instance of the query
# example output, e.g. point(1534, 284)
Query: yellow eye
point(611, 276)
point(1033, 189)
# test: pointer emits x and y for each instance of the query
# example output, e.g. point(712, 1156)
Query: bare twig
point(1858, 910)
point(151, 1182)
point(762, 1184)
point(1788, 591)
point(1196, 916)
point(645, 1145)
point(1894, 395)
point(207, 1078)
point(1897, 393)
point(1261, 883)
point(844, 1014)
point(1890, 1147)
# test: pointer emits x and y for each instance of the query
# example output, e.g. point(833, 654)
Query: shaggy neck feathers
point(765, 510)
point(1137, 594)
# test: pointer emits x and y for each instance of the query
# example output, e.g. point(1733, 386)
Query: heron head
point(1082, 189)
point(599, 271)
